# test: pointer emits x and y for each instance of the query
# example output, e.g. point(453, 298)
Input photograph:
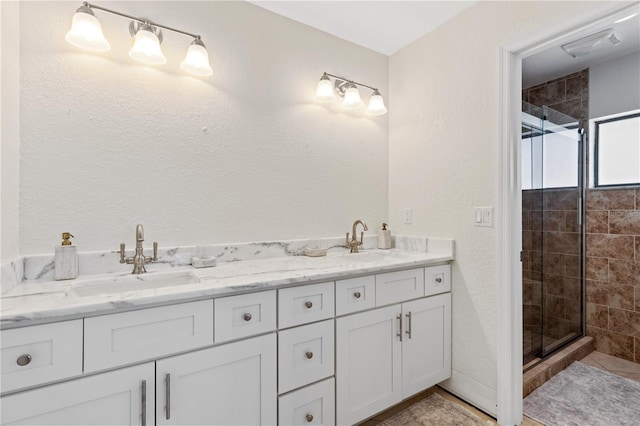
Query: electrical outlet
point(408, 216)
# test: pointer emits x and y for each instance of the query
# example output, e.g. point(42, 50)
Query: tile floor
point(621, 367)
point(443, 393)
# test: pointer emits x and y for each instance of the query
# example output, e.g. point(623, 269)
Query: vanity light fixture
point(348, 89)
point(86, 33)
point(585, 45)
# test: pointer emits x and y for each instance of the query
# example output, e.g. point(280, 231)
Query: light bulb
point(146, 48)
point(324, 92)
point(86, 31)
point(197, 60)
point(352, 98)
point(376, 104)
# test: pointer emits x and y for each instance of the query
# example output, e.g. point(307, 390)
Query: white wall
point(443, 160)
point(614, 86)
point(9, 131)
point(246, 155)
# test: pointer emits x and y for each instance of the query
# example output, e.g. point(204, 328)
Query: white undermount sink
point(128, 283)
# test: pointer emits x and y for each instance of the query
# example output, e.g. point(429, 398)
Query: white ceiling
point(386, 26)
point(554, 62)
point(382, 26)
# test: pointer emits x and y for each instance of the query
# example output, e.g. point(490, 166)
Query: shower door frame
point(509, 294)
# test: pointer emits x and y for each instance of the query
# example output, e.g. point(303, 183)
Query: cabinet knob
point(438, 280)
point(309, 418)
point(308, 304)
point(309, 355)
point(247, 317)
point(357, 295)
point(23, 360)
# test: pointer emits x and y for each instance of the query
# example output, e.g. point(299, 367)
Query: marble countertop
point(39, 302)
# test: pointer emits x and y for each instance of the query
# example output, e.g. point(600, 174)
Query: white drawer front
point(305, 304)
point(118, 339)
point(313, 405)
point(355, 294)
point(244, 315)
point(305, 355)
point(47, 352)
point(437, 279)
point(399, 286)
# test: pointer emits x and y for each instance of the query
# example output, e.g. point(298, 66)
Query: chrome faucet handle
point(155, 253)
point(122, 258)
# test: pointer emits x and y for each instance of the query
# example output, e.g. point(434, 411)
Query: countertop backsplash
point(41, 267)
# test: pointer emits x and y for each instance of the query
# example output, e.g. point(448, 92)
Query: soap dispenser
point(66, 260)
point(384, 237)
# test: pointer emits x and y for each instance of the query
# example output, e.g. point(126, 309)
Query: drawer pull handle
point(439, 280)
point(247, 317)
point(357, 295)
point(167, 393)
point(308, 304)
point(24, 360)
point(309, 418)
point(144, 403)
point(309, 355)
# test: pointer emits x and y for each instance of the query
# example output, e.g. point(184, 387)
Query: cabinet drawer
point(40, 354)
point(399, 286)
point(305, 304)
point(305, 355)
point(119, 339)
point(313, 405)
point(437, 279)
point(355, 294)
point(244, 315)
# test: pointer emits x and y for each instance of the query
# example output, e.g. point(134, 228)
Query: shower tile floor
point(618, 366)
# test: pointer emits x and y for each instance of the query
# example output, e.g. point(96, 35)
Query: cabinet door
point(368, 363)
point(232, 384)
point(426, 349)
point(120, 397)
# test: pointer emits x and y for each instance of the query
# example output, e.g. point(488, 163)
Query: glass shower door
point(553, 237)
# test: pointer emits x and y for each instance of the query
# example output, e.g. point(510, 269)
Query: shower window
point(617, 150)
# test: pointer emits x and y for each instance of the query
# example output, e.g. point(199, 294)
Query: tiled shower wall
point(613, 271)
point(613, 247)
point(551, 252)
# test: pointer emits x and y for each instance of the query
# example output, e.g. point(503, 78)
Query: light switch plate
point(482, 217)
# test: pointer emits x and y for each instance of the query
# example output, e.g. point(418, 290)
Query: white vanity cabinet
point(120, 397)
point(334, 352)
point(390, 353)
point(231, 384)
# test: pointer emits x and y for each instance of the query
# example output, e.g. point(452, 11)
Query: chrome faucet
point(139, 260)
point(353, 244)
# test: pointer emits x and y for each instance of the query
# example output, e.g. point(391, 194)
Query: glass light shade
point(352, 98)
point(146, 48)
point(197, 61)
point(324, 92)
point(376, 105)
point(86, 32)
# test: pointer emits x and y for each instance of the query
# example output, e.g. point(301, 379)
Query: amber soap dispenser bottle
point(66, 259)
